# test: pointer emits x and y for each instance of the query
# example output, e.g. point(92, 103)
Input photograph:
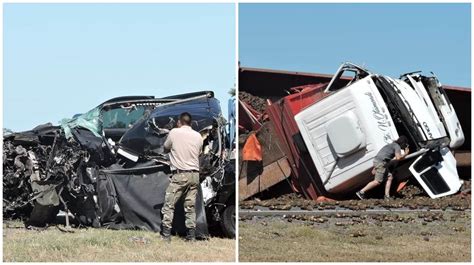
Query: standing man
point(185, 145)
point(381, 162)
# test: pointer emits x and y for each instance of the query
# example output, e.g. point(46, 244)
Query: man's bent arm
point(168, 143)
point(399, 156)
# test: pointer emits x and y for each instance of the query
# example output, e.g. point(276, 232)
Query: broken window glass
point(122, 117)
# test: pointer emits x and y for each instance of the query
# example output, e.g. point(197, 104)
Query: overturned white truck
point(346, 128)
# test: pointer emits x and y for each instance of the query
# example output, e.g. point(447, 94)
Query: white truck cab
point(344, 131)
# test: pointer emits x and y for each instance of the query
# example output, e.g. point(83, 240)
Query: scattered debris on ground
point(411, 197)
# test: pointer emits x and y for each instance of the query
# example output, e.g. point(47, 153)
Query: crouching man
point(184, 145)
point(381, 163)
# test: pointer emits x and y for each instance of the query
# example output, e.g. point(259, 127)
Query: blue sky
point(63, 59)
point(387, 38)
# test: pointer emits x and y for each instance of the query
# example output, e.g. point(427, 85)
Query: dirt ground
point(89, 245)
point(433, 230)
point(411, 197)
point(428, 237)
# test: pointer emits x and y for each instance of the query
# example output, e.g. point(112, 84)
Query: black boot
point(191, 235)
point(166, 234)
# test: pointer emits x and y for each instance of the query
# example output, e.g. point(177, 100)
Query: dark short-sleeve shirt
point(387, 152)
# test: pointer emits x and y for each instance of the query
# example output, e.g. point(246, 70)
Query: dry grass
point(88, 245)
point(278, 240)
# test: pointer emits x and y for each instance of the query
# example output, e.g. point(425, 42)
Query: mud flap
point(436, 172)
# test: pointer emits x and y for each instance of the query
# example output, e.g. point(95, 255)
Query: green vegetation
point(88, 245)
point(343, 240)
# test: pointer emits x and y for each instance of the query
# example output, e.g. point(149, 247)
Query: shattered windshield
point(148, 135)
point(89, 120)
point(123, 117)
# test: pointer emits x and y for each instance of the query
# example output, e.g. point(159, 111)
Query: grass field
point(87, 245)
point(405, 238)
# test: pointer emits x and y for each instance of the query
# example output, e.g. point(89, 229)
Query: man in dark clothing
point(381, 161)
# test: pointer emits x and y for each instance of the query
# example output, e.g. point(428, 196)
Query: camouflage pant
point(381, 171)
point(182, 184)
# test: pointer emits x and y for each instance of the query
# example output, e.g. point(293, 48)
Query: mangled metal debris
point(107, 167)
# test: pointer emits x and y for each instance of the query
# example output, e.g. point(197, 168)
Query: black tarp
point(140, 194)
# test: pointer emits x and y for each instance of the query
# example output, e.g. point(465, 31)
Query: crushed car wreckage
point(108, 168)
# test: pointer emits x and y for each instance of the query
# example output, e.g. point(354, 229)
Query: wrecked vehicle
point(344, 130)
point(329, 128)
point(108, 168)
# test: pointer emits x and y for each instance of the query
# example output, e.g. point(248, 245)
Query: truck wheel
point(228, 221)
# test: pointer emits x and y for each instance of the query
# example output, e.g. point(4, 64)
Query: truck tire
point(228, 221)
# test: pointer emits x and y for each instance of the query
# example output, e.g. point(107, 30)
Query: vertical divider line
point(236, 4)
